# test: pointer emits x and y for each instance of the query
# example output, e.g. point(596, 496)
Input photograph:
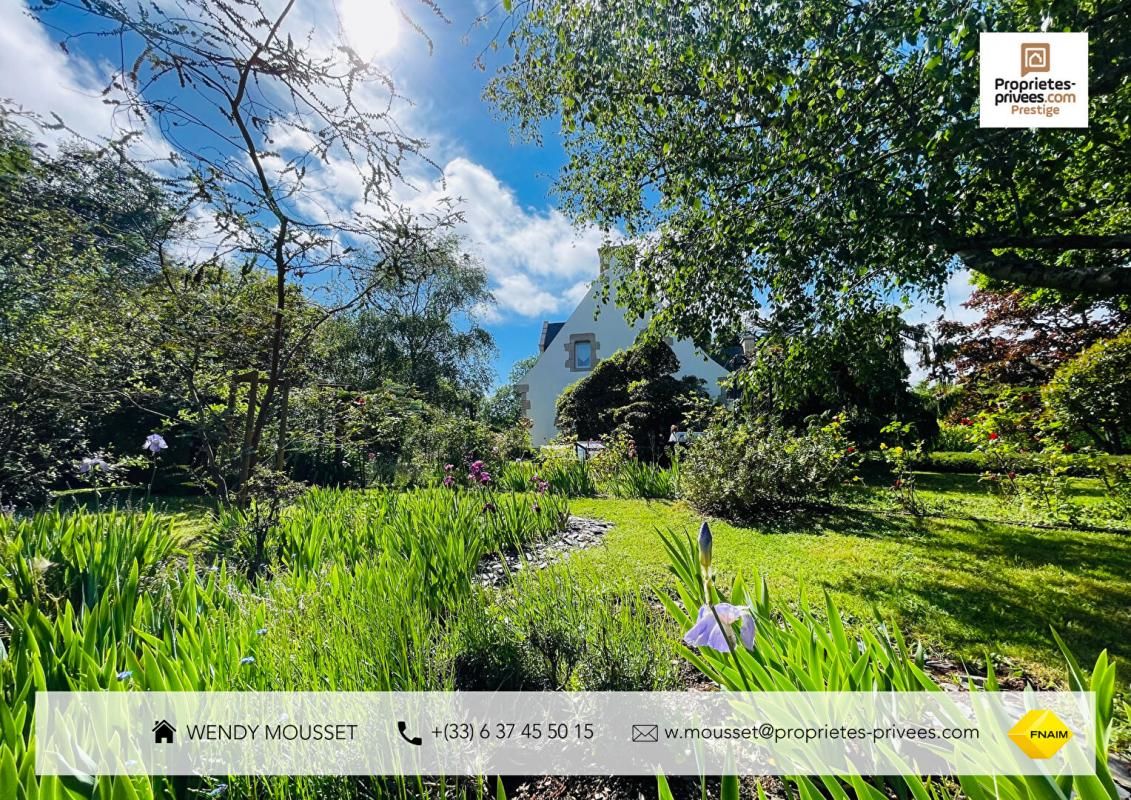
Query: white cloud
point(540, 263)
point(38, 76)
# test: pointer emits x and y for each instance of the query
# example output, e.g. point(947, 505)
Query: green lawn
point(962, 586)
point(966, 495)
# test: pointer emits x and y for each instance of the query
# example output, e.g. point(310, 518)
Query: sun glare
point(371, 27)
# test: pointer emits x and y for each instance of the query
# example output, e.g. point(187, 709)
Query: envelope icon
point(645, 733)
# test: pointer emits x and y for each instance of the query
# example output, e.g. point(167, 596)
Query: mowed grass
point(964, 587)
point(967, 495)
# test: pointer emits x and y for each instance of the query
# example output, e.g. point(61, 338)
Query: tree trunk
point(1095, 281)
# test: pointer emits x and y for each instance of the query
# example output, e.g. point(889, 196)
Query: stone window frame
point(523, 390)
point(594, 345)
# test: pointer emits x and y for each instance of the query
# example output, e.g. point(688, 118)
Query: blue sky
point(539, 263)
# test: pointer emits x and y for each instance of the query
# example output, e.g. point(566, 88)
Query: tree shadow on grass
point(833, 519)
point(984, 586)
point(988, 616)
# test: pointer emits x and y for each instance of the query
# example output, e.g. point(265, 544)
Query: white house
point(568, 350)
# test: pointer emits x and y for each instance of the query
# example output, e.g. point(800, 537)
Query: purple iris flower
point(706, 631)
point(93, 464)
point(449, 480)
point(484, 478)
point(155, 443)
point(706, 546)
point(476, 467)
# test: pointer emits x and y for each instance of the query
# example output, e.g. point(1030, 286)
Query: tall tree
point(427, 334)
point(822, 155)
point(856, 366)
point(503, 409)
point(76, 233)
point(252, 105)
point(1022, 339)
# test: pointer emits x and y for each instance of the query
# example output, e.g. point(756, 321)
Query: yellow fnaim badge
point(1040, 734)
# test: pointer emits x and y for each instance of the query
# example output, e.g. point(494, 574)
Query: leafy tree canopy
point(820, 156)
point(1021, 340)
point(856, 366)
point(634, 391)
point(426, 334)
point(503, 409)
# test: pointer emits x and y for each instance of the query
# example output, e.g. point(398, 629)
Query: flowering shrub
point(1025, 464)
point(901, 456)
point(739, 467)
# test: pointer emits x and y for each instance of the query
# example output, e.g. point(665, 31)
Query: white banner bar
point(565, 733)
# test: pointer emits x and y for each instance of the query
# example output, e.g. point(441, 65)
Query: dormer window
point(581, 351)
point(583, 355)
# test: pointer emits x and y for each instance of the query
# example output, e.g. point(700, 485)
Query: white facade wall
point(551, 373)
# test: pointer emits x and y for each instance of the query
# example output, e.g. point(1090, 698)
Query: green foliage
point(900, 457)
point(1025, 464)
point(805, 650)
point(555, 630)
point(951, 439)
point(1092, 393)
point(67, 557)
point(353, 438)
point(1023, 337)
point(633, 391)
point(503, 408)
point(439, 437)
point(737, 178)
point(75, 228)
point(621, 472)
point(425, 334)
point(362, 584)
point(739, 468)
point(855, 367)
point(565, 473)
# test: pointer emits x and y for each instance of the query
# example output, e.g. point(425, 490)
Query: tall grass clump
point(357, 595)
point(803, 651)
point(553, 629)
point(79, 556)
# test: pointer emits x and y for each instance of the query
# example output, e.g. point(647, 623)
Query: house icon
point(163, 732)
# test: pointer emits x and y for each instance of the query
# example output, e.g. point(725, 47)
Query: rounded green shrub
point(1092, 393)
point(738, 468)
